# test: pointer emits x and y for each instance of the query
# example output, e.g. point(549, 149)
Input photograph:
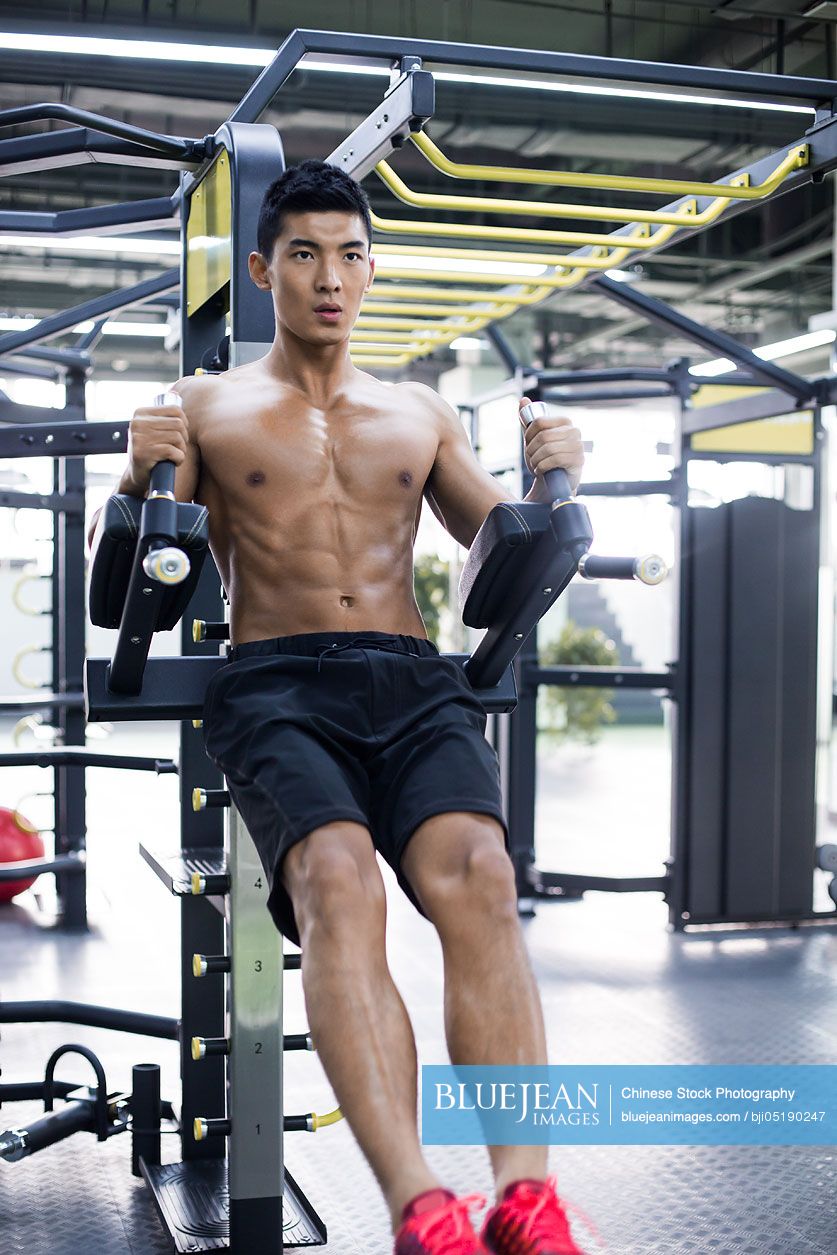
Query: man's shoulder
point(425, 400)
point(201, 392)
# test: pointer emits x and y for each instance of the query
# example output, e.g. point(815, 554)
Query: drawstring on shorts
point(360, 642)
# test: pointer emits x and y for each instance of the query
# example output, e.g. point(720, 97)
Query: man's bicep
point(188, 473)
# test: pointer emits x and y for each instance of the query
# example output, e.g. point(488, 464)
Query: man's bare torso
point(312, 513)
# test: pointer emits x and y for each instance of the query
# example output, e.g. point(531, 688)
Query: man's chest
point(372, 456)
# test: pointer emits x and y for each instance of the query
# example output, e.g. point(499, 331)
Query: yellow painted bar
point(374, 346)
point(456, 276)
point(598, 259)
point(208, 235)
point(419, 310)
point(787, 433)
point(404, 324)
point(424, 326)
point(686, 217)
point(406, 292)
point(373, 360)
point(592, 182)
point(523, 235)
point(407, 337)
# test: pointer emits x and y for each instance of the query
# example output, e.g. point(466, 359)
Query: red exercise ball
point(18, 840)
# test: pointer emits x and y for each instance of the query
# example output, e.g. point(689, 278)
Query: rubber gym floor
point(617, 987)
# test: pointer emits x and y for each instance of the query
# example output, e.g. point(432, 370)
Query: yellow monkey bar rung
point(619, 247)
point(402, 324)
point(416, 333)
point(566, 280)
point(795, 159)
point(390, 363)
point(595, 182)
point(406, 292)
point(523, 235)
point(380, 344)
point(423, 325)
point(419, 310)
point(597, 259)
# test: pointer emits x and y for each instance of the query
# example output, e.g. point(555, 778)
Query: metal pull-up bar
point(795, 159)
point(588, 181)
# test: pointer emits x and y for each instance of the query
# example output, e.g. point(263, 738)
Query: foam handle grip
point(557, 482)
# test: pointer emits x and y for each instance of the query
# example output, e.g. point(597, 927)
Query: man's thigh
point(440, 779)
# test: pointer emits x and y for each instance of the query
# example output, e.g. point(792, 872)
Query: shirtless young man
point(338, 726)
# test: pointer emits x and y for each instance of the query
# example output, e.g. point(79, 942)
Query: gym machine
point(224, 925)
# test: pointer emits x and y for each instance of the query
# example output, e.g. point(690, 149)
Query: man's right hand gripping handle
point(157, 433)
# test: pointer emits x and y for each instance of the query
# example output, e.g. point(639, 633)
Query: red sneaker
point(437, 1223)
point(531, 1220)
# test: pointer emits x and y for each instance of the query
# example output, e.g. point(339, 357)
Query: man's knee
point(471, 874)
point(333, 878)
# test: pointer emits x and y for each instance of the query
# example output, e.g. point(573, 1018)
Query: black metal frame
point(517, 741)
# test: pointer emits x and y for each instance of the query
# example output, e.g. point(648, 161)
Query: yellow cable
point(21, 605)
point(18, 659)
point(331, 1117)
point(595, 182)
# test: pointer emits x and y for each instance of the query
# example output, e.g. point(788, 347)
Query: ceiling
point(760, 275)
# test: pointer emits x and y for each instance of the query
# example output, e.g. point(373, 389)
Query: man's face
point(319, 272)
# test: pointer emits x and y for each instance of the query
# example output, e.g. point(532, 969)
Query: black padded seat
point(112, 560)
point(491, 575)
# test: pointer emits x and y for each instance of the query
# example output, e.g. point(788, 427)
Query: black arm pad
point(487, 583)
point(112, 560)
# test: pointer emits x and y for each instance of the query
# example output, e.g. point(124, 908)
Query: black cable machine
point(229, 1187)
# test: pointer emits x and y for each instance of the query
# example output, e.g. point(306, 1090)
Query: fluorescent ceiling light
point(622, 93)
point(770, 352)
point(136, 49)
point(622, 276)
point(406, 261)
point(114, 328)
point(116, 245)
point(258, 58)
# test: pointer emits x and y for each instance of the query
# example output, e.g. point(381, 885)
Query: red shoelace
point(547, 1217)
point(447, 1230)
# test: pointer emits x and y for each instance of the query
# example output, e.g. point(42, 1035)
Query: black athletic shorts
point(369, 727)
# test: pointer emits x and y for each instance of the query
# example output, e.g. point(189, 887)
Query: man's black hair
point(311, 187)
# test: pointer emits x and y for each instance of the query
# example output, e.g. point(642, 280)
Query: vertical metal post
point(680, 705)
point(254, 1064)
point(201, 927)
point(253, 1099)
point(522, 742)
point(145, 1113)
point(68, 650)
